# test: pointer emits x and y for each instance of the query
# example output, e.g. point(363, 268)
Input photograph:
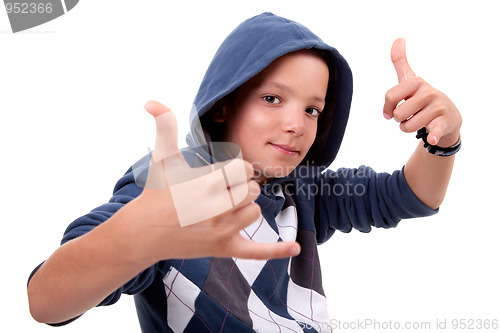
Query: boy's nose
point(294, 123)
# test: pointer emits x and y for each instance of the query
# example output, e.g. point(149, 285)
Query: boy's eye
point(272, 99)
point(313, 112)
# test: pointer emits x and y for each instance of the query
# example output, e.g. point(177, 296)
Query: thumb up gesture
point(414, 103)
point(186, 212)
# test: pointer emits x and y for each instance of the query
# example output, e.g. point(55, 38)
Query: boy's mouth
point(285, 149)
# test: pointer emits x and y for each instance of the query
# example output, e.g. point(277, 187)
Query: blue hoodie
point(236, 295)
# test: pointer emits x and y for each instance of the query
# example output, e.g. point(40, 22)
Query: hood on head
point(250, 48)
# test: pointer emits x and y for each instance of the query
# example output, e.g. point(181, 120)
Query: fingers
point(403, 92)
point(430, 118)
point(229, 242)
point(436, 131)
point(398, 57)
point(246, 248)
point(249, 249)
point(241, 217)
point(435, 128)
point(210, 192)
point(166, 130)
point(244, 193)
point(238, 173)
point(418, 120)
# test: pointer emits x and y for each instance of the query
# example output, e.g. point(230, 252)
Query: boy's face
point(273, 117)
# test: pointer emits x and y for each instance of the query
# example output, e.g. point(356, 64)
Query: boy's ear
point(222, 108)
point(219, 115)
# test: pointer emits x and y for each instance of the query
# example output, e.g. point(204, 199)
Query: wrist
point(134, 233)
point(439, 150)
point(449, 140)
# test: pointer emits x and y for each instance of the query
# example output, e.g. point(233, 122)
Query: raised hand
point(415, 104)
point(198, 212)
point(225, 183)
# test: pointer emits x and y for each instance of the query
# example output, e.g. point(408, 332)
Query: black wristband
point(436, 150)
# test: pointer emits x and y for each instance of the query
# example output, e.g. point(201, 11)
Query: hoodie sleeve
point(125, 190)
point(361, 198)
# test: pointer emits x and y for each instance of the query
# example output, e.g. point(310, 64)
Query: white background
point(72, 121)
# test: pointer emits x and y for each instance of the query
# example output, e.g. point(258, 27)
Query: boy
point(283, 96)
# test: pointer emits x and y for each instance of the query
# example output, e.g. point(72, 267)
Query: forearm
point(428, 175)
point(84, 271)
